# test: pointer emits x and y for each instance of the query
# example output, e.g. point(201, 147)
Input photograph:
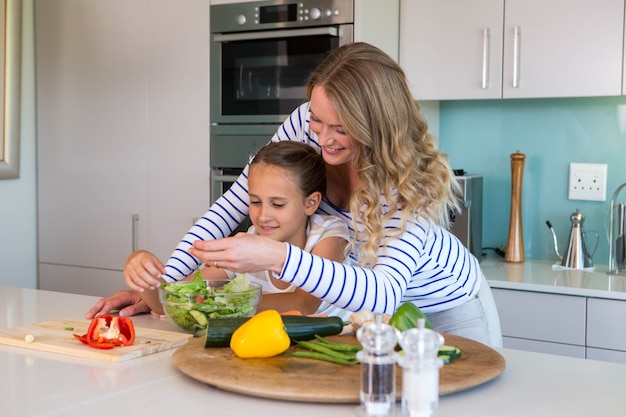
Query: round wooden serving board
point(287, 377)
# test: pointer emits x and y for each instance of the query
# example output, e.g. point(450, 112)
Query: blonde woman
point(387, 181)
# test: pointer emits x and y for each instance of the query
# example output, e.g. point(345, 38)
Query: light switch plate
point(587, 181)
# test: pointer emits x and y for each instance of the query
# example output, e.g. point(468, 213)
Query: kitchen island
point(46, 384)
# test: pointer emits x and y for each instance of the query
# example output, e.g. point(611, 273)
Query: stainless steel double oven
point(262, 53)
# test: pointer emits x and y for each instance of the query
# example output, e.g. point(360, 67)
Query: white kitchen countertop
point(45, 384)
point(539, 276)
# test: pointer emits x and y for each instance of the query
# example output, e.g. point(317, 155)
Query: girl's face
point(337, 146)
point(278, 209)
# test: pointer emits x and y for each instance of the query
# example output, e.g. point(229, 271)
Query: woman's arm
point(426, 265)
point(231, 208)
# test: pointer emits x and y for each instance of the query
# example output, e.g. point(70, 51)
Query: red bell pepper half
point(108, 331)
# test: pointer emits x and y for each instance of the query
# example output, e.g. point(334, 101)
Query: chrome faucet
point(617, 244)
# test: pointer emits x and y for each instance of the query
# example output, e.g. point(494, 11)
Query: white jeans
point(477, 319)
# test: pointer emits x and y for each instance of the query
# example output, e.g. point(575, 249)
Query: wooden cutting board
point(287, 377)
point(53, 336)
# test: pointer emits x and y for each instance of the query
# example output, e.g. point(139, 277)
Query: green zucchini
point(220, 330)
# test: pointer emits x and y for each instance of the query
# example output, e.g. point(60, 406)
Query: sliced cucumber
point(445, 358)
point(200, 317)
point(449, 352)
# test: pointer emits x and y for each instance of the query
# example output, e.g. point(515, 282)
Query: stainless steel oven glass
point(263, 52)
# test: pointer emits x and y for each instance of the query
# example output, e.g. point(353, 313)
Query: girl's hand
point(242, 253)
point(143, 270)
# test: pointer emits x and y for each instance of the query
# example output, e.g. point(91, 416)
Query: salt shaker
point(420, 370)
point(378, 368)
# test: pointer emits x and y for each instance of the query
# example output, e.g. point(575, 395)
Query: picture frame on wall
point(10, 69)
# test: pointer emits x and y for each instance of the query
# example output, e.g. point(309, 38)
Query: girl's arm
point(332, 248)
point(210, 273)
point(150, 297)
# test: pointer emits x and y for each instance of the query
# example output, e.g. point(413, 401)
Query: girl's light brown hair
point(304, 162)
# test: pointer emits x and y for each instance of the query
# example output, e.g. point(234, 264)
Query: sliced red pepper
point(82, 338)
point(108, 331)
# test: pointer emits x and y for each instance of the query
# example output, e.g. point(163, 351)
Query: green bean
point(319, 347)
point(342, 347)
point(324, 357)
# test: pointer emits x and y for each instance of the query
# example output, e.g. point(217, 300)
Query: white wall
point(18, 227)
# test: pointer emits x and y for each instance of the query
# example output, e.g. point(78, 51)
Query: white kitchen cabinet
point(565, 48)
point(606, 330)
point(122, 121)
point(606, 321)
point(606, 355)
point(550, 48)
point(452, 49)
point(548, 323)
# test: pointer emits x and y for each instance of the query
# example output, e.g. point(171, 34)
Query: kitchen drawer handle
point(135, 243)
point(486, 44)
point(517, 37)
point(291, 33)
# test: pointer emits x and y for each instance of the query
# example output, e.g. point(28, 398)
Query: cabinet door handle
point(486, 44)
point(135, 243)
point(517, 38)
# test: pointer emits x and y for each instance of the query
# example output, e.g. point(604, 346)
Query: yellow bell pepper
point(262, 336)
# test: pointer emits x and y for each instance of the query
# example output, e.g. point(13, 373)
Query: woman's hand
point(129, 303)
point(143, 270)
point(242, 253)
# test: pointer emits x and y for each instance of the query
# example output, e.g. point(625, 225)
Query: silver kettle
point(576, 256)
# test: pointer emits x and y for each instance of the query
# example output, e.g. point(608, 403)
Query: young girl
point(286, 183)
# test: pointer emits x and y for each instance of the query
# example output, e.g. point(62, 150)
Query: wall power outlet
point(587, 181)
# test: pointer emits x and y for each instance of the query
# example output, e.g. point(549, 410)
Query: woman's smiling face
point(337, 146)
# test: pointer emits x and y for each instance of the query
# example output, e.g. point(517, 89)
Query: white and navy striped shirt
point(427, 264)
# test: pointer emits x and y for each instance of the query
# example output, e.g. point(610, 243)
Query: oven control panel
point(275, 14)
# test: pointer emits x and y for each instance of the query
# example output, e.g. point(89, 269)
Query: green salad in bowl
point(191, 304)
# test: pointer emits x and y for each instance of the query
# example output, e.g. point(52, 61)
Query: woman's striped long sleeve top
point(426, 265)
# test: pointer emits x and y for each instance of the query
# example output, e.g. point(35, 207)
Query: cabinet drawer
point(606, 355)
point(606, 324)
point(540, 316)
point(78, 280)
point(544, 347)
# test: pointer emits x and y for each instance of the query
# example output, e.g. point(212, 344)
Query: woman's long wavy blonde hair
point(396, 157)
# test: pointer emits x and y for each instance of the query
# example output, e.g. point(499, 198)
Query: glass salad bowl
point(191, 304)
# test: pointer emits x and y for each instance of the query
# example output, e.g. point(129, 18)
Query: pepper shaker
point(515, 241)
point(420, 370)
point(378, 368)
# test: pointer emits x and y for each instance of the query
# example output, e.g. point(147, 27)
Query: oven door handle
point(290, 33)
